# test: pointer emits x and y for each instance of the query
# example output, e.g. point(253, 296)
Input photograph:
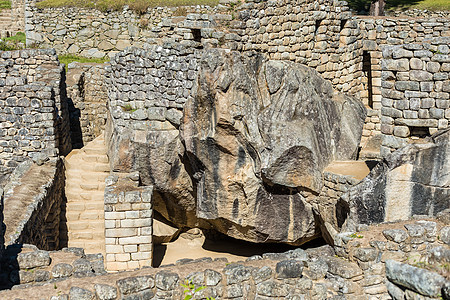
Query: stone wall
point(33, 108)
point(416, 91)
point(381, 32)
point(33, 200)
point(128, 223)
point(93, 33)
point(147, 91)
point(88, 99)
point(27, 266)
point(377, 248)
point(13, 19)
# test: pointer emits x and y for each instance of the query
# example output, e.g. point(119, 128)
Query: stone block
point(401, 131)
point(419, 280)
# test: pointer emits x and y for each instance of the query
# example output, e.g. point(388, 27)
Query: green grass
point(13, 42)
point(18, 38)
point(425, 4)
point(139, 6)
point(5, 4)
point(68, 58)
point(435, 5)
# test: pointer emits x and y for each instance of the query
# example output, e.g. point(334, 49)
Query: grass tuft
point(139, 6)
point(14, 42)
point(68, 58)
point(5, 4)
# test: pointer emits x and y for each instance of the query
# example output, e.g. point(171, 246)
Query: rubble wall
point(87, 97)
point(33, 106)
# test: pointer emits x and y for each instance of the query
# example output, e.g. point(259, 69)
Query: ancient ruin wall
point(128, 224)
point(381, 32)
point(33, 109)
point(92, 33)
point(33, 200)
point(87, 94)
point(416, 91)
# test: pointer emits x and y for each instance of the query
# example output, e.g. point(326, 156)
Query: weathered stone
point(395, 235)
point(272, 289)
point(34, 259)
point(445, 234)
point(420, 280)
point(366, 254)
point(343, 268)
point(236, 273)
point(62, 270)
point(166, 281)
point(289, 269)
point(105, 292)
point(77, 293)
point(410, 181)
point(229, 156)
point(136, 284)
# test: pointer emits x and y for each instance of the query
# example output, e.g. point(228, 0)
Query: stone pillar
point(128, 224)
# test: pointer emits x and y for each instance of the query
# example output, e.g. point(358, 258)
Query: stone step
point(86, 171)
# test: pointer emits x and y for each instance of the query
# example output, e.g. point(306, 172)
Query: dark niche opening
point(318, 22)
point(343, 23)
point(419, 132)
point(367, 69)
point(197, 34)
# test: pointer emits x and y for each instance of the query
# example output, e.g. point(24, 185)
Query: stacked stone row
point(391, 31)
point(27, 116)
point(416, 90)
point(89, 97)
point(419, 243)
point(32, 110)
point(94, 33)
point(319, 34)
point(151, 87)
point(128, 226)
point(34, 266)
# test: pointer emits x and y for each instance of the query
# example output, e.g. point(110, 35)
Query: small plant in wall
point(128, 108)
point(191, 290)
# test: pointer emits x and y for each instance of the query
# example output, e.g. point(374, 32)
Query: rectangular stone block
point(135, 240)
point(141, 255)
point(121, 232)
point(130, 248)
point(112, 215)
point(113, 249)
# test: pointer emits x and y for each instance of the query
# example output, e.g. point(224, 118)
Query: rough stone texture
point(33, 199)
point(86, 89)
point(419, 280)
point(33, 107)
point(411, 181)
point(248, 126)
point(25, 265)
point(415, 102)
point(128, 224)
point(147, 91)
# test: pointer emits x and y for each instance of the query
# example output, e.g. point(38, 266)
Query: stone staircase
point(86, 170)
point(5, 23)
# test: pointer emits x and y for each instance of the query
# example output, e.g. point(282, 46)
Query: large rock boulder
point(414, 180)
point(258, 135)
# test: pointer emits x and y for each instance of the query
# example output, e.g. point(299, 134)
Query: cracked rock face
point(258, 135)
point(414, 180)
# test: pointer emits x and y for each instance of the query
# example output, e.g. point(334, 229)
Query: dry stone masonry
point(128, 223)
point(33, 112)
point(88, 96)
point(416, 91)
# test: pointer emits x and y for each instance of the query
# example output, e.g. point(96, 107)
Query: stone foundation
point(128, 223)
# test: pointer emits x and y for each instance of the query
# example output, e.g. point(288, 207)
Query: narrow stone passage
point(86, 170)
